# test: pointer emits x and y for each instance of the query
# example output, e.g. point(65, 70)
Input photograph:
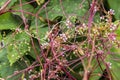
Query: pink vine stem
point(22, 14)
point(92, 12)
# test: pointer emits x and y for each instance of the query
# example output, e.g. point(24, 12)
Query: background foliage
point(41, 39)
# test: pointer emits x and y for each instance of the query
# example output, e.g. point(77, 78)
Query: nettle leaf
point(4, 64)
point(17, 46)
point(6, 69)
point(7, 21)
point(25, 7)
point(54, 8)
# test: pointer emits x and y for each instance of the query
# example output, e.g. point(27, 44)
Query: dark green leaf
point(25, 7)
point(54, 8)
point(2, 3)
point(114, 60)
point(7, 21)
point(114, 5)
point(5, 68)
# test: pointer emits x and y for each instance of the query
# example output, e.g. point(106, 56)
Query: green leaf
point(0, 37)
point(37, 47)
point(40, 31)
point(114, 5)
point(114, 59)
point(117, 31)
point(11, 3)
point(25, 7)
point(2, 3)
point(5, 68)
point(18, 46)
point(7, 21)
point(71, 7)
point(54, 10)
point(97, 69)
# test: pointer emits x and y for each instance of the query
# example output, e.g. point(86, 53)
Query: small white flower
point(44, 45)
point(111, 12)
point(64, 37)
point(102, 18)
point(24, 79)
point(18, 30)
point(68, 23)
point(30, 71)
point(106, 20)
point(95, 8)
point(84, 25)
point(113, 27)
point(109, 64)
point(55, 44)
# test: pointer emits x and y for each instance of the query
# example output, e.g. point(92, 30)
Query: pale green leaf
point(17, 46)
